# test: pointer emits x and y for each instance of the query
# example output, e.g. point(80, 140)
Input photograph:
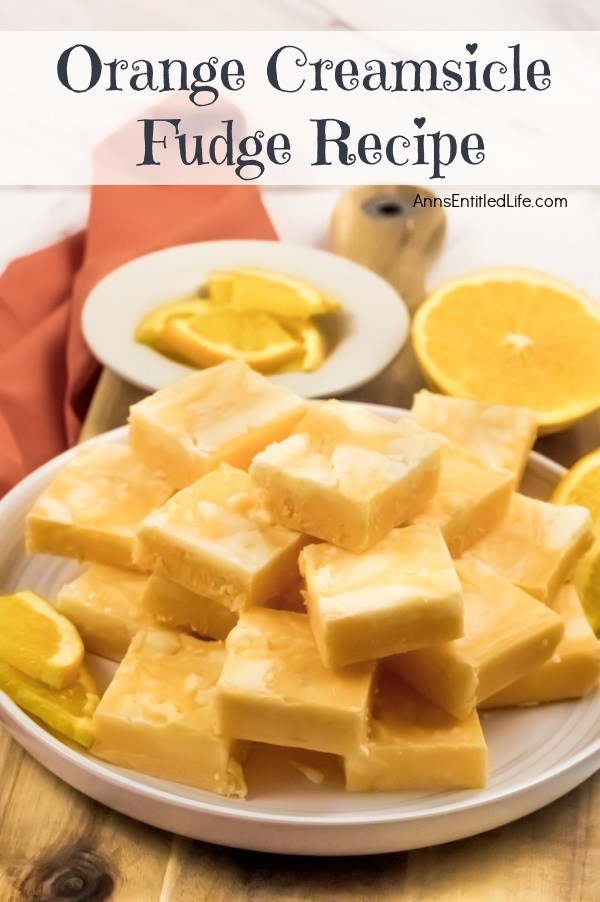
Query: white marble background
point(564, 242)
point(450, 15)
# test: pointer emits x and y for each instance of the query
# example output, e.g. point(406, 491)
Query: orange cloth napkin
point(47, 373)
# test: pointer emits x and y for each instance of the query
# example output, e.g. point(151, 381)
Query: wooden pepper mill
point(390, 230)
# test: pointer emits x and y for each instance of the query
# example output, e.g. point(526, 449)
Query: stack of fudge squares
point(312, 575)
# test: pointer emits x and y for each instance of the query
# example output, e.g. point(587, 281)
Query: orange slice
point(68, 711)
point(149, 330)
point(515, 337)
point(585, 577)
point(313, 347)
point(581, 485)
point(220, 335)
point(38, 641)
point(270, 292)
point(220, 286)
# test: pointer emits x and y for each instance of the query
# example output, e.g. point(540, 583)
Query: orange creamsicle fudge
point(499, 434)
point(469, 501)
point(403, 593)
point(571, 672)
point(536, 545)
point(158, 714)
point(94, 505)
point(348, 476)
point(105, 604)
point(178, 608)
point(414, 745)
point(275, 689)
point(290, 599)
point(507, 633)
point(218, 538)
point(223, 413)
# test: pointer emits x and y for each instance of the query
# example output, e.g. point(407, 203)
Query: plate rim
point(353, 819)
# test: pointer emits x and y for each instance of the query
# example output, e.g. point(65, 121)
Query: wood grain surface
point(57, 845)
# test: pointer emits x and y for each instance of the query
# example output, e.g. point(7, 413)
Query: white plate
point(536, 755)
point(365, 336)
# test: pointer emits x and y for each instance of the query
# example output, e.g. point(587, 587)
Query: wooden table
point(56, 844)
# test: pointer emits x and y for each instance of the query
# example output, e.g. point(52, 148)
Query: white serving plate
point(364, 337)
point(536, 755)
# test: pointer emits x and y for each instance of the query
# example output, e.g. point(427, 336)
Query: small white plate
point(536, 755)
point(364, 337)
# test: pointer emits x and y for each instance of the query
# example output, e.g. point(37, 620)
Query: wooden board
point(52, 838)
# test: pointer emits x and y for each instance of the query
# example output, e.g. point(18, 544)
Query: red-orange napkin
point(47, 373)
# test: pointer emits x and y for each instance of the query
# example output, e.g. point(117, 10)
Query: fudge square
point(571, 672)
point(174, 607)
point(536, 545)
point(507, 633)
point(348, 476)
point(224, 413)
point(93, 506)
point(414, 745)
point(218, 538)
point(469, 501)
point(274, 687)
point(158, 714)
point(105, 604)
point(403, 593)
point(499, 434)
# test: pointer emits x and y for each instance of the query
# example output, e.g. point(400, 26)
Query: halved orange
point(513, 336)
